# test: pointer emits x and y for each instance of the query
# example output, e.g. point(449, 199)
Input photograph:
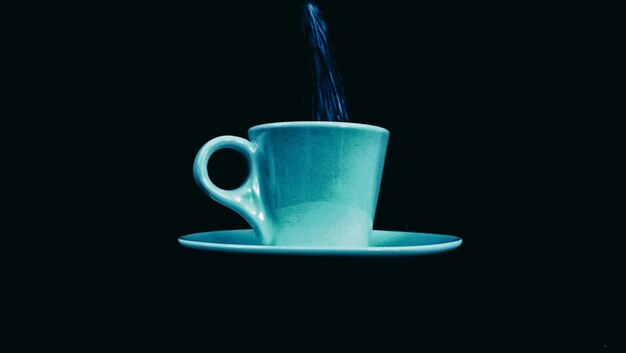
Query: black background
point(502, 131)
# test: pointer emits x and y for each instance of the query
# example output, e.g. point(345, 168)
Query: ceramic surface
point(311, 184)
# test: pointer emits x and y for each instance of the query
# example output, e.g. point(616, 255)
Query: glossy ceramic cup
point(310, 184)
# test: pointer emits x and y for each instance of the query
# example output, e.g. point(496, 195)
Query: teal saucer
point(383, 243)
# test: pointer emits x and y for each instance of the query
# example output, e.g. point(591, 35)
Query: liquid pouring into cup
point(328, 100)
point(311, 184)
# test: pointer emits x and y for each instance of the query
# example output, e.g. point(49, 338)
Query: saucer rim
point(390, 251)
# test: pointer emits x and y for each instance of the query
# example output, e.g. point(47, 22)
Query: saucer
point(383, 243)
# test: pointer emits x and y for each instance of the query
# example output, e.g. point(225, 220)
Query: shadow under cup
point(311, 184)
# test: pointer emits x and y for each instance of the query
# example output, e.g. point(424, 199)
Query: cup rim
point(324, 124)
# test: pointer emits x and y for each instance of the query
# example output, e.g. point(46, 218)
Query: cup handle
point(246, 199)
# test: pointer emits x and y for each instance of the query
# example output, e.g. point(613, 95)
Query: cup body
point(320, 181)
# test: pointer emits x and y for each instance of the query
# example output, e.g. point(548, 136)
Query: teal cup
point(310, 184)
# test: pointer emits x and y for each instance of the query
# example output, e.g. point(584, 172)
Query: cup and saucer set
point(312, 189)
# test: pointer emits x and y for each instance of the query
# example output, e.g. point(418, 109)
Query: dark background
point(502, 132)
